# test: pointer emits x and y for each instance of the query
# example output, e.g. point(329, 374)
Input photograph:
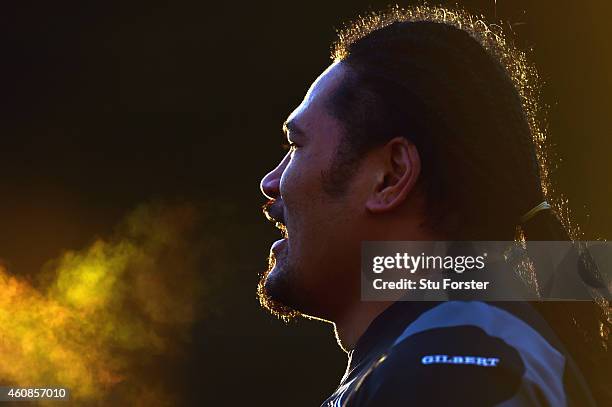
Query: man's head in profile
point(415, 132)
point(422, 128)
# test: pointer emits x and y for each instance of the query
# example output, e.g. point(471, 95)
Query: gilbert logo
point(459, 360)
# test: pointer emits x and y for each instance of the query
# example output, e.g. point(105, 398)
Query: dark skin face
point(316, 268)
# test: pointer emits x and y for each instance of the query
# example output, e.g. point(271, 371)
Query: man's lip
point(279, 244)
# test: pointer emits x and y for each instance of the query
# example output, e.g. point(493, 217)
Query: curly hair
point(460, 90)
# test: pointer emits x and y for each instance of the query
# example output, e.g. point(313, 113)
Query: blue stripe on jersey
point(544, 365)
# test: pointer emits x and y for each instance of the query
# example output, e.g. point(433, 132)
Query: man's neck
point(355, 321)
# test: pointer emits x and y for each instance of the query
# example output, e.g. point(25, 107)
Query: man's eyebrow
point(290, 127)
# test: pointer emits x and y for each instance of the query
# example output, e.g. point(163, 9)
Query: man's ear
point(400, 168)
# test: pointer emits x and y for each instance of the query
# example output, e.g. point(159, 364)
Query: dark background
point(107, 106)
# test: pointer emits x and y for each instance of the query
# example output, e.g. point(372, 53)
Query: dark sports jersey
point(460, 353)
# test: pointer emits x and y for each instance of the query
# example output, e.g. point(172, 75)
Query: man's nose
point(270, 184)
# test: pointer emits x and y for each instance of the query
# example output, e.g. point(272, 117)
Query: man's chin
point(275, 290)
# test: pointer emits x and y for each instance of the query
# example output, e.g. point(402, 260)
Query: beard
point(276, 289)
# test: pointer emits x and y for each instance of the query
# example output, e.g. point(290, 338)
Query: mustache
point(274, 212)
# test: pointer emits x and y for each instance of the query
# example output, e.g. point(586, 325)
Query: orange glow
point(102, 307)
